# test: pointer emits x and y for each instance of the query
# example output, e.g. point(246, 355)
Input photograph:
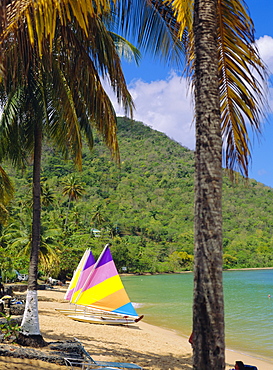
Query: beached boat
point(94, 319)
point(98, 294)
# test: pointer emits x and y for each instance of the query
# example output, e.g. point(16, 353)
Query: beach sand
point(146, 345)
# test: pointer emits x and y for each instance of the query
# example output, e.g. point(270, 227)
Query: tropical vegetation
point(219, 43)
point(144, 208)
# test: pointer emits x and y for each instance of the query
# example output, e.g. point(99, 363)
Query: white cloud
point(265, 46)
point(164, 105)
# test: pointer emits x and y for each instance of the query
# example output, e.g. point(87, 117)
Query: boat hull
point(102, 320)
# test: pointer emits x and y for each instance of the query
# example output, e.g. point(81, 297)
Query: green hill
point(144, 207)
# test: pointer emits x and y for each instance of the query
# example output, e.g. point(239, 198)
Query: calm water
point(166, 301)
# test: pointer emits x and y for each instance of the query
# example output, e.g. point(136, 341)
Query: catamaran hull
point(101, 320)
point(98, 317)
point(69, 311)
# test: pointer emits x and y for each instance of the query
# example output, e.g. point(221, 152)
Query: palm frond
point(153, 27)
point(183, 13)
point(242, 77)
point(4, 214)
point(64, 127)
point(6, 187)
point(41, 16)
point(242, 81)
point(48, 256)
point(90, 60)
point(11, 133)
point(125, 48)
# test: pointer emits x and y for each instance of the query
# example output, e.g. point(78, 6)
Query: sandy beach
point(146, 345)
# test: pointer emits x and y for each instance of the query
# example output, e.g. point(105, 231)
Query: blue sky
point(164, 102)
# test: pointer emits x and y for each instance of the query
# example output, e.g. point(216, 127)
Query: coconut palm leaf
point(153, 25)
point(125, 48)
point(6, 187)
point(47, 195)
point(41, 17)
point(48, 252)
point(75, 73)
point(242, 76)
point(242, 79)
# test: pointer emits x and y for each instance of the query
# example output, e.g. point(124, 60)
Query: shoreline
point(232, 355)
point(230, 351)
point(152, 347)
point(248, 359)
point(148, 345)
point(191, 271)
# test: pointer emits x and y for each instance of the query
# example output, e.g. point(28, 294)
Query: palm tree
point(228, 96)
point(208, 327)
point(98, 218)
point(74, 190)
point(47, 195)
point(55, 90)
point(227, 77)
point(231, 99)
point(18, 242)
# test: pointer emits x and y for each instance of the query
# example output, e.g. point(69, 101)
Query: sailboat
point(85, 265)
point(100, 290)
point(82, 271)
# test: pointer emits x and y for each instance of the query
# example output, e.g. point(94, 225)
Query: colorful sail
point(86, 271)
point(76, 276)
point(104, 289)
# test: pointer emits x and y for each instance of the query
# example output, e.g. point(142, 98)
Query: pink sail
point(76, 275)
point(86, 271)
point(104, 290)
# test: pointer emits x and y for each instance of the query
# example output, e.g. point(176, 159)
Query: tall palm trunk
point(67, 212)
point(208, 306)
point(36, 212)
point(30, 330)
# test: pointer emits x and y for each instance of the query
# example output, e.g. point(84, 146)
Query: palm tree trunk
point(208, 305)
point(66, 218)
point(30, 330)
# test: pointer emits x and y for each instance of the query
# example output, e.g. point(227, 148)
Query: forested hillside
point(144, 208)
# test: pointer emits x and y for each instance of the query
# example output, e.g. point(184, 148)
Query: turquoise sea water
point(166, 301)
